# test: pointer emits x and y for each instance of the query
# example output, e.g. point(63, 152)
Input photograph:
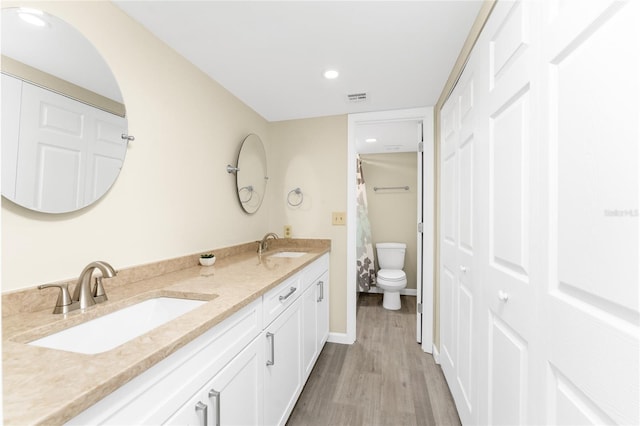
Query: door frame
point(426, 115)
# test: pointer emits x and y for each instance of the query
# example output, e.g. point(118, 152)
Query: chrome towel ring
point(297, 194)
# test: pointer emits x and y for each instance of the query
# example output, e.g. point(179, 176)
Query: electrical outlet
point(287, 231)
point(338, 218)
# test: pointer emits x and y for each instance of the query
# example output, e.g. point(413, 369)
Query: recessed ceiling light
point(331, 74)
point(371, 140)
point(32, 16)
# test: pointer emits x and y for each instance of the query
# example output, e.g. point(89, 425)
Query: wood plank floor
point(382, 379)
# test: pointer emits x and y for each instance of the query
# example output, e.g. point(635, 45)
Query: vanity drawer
point(277, 299)
point(312, 272)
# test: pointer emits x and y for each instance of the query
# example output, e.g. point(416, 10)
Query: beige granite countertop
point(47, 386)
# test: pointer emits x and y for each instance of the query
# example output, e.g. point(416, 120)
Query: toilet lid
point(392, 274)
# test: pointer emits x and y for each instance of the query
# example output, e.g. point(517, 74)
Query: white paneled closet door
point(511, 259)
point(458, 284)
point(590, 305)
point(553, 292)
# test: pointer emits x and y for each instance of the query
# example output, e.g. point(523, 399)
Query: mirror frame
point(249, 181)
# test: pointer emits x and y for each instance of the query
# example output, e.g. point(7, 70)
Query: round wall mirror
point(251, 175)
point(64, 128)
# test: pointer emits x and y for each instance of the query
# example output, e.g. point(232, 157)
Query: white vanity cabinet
point(315, 318)
point(283, 366)
point(232, 397)
point(248, 370)
point(295, 338)
point(160, 392)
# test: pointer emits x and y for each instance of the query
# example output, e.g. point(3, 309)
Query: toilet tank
point(391, 255)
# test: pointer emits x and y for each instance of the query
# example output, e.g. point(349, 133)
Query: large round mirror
point(64, 127)
point(251, 176)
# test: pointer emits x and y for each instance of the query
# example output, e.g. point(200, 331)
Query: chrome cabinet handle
point(321, 297)
point(201, 411)
point(286, 296)
point(215, 395)
point(503, 296)
point(272, 337)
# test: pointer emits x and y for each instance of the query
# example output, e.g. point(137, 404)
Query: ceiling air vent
point(357, 97)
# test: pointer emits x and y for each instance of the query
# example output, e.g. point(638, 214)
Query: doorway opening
point(375, 136)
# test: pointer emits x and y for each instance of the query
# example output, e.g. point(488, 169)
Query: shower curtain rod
point(378, 188)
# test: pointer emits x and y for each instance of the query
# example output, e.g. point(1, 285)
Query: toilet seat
point(391, 281)
point(392, 275)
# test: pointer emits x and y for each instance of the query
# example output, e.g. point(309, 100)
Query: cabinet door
point(322, 301)
point(232, 397)
point(309, 328)
point(283, 371)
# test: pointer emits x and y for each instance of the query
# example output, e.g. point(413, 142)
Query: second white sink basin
point(291, 254)
point(106, 332)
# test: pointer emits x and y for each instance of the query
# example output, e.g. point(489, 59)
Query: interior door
point(69, 152)
point(591, 69)
point(419, 244)
point(427, 206)
point(458, 295)
point(509, 266)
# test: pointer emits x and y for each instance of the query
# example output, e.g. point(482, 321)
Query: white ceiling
point(271, 54)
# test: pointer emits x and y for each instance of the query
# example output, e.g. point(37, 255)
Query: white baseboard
point(341, 338)
point(436, 354)
point(404, 291)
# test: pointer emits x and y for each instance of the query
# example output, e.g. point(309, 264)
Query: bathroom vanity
point(242, 357)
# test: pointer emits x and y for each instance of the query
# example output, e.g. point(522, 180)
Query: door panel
point(592, 298)
point(466, 195)
point(509, 191)
point(458, 294)
point(447, 319)
point(508, 374)
point(465, 348)
point(508, 167)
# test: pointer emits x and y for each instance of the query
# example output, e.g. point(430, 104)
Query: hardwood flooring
point(383, 379)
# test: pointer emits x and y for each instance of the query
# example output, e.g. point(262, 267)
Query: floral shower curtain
point(364, 246)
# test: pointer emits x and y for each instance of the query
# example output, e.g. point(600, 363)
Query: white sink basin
point(106, 332)
point(291, 254)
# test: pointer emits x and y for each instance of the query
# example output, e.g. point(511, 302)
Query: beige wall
point(312, 154)
point(393, 213)
point(173, 196)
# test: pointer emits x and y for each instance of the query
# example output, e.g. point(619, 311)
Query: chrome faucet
point(264, 244)
point(83, 293)
point(83, 296)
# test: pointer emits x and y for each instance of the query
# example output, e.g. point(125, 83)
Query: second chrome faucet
point(83, 295)
point(264, 244)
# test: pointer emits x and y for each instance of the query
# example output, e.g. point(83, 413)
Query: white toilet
point(391, 278)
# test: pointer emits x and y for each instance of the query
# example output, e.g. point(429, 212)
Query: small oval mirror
point(251, 176)
point(64, 131)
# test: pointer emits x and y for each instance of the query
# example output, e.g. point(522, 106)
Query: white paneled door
point(509, 262)
point(458, 285)
point(540, 183)
point(591, 71)
point(69, 153)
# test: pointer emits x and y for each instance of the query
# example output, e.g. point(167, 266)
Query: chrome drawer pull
point(272, 337)
point(201, 411)
point(286, 296)
point(321, 297)
point(214, 394)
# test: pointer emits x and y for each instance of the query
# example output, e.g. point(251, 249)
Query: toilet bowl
point(391, 278)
